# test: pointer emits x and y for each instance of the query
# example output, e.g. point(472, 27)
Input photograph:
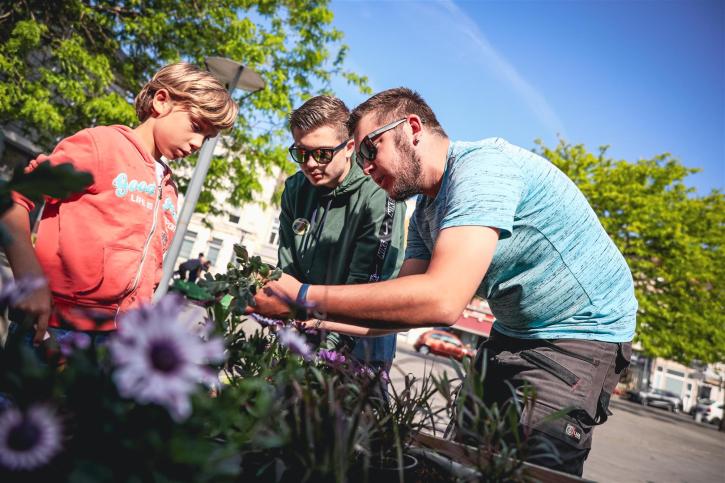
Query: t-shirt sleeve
point(415, 247)
point(79, 150)
point(483, 189)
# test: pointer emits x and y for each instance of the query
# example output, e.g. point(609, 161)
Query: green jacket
point(347, 235)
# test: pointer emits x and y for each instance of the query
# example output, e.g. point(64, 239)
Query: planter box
point(463, 459)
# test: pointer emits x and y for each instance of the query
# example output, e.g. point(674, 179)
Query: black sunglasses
point(320, 155)
point(368, 151)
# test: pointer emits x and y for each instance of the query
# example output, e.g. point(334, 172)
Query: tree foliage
point(69, 64)
point(672, 239)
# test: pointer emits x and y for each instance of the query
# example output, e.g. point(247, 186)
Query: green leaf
point(59, 181)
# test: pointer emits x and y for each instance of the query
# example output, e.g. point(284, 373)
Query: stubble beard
point(407, 181)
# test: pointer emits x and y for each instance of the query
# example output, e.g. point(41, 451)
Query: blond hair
point(196, 90)
point(321, 111)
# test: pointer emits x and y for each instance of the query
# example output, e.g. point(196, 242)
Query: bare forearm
point(412, 301)
point(349, 329)
point(436, 296)
point(19, 250)
point(427, 293)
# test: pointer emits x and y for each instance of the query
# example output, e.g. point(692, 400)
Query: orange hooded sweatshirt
point(102, 250)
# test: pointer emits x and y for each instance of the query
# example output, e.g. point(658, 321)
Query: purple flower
point(28, 439)
point(159, 359)
point(74, 341)
point(266, 321)
point(384, 376)
point(303, 328)
point(295, 342)
point(14, 291)
point(364, 371)
point(330, 357)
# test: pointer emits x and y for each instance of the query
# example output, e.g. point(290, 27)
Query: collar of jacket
point(352, 181)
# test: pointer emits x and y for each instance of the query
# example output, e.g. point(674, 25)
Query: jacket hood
point(134, 139)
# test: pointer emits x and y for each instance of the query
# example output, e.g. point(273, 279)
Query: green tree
point(70, 64)
point(672, 240)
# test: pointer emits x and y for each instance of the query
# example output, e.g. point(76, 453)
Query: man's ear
point(416, 124)
point(350, 148)
point(162, 103)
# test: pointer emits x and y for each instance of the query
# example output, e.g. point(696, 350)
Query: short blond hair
point(321, 111)
point(197, 90)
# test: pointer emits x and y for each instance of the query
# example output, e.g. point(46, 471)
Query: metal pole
point(190, 198)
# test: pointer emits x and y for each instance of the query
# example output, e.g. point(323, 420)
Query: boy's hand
point(276, 297)
point(38, 305)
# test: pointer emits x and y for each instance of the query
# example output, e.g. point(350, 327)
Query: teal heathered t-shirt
point(555, 273)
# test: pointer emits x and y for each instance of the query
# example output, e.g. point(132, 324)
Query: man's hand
point(38, 305)
point(276, 298)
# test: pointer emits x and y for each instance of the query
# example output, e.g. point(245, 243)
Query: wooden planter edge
point(463, 454)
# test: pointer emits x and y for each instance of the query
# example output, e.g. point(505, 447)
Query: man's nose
point(309, 161)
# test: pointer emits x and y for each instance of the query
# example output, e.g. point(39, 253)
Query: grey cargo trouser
point(576, 375)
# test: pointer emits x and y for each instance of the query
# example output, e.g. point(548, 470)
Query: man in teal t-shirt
point(504, 223)
point(555, 274)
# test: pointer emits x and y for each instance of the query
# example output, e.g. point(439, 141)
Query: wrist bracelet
point(301, 312)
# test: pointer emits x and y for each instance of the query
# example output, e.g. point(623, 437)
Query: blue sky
point(644, 77)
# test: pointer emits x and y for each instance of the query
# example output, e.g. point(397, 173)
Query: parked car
point(658, 398)
point(708, 411)
point(444, 344)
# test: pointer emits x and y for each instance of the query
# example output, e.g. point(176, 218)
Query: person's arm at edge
point(460, 259)
point(410, 267)
point(24, 263)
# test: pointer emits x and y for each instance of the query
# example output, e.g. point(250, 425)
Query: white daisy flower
point(160, 360)
point(30, 439)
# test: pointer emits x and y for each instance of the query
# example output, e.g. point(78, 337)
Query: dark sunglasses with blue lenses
point(320, 155)
point(368, 150)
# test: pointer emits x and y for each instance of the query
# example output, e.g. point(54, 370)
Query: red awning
point(474, 325)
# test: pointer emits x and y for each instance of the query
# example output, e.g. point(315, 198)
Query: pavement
point(637, 443)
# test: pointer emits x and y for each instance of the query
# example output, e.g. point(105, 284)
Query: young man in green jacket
point(336, 225)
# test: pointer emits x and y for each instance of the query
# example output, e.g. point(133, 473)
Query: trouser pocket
point(549, 365)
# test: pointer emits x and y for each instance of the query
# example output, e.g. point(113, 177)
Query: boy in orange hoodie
point(101, 251)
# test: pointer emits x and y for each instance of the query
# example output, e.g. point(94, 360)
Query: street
point(637, 443)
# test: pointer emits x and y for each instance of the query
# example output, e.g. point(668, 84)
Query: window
point(453, 341)
point(187, 245)
point(215, 246)
point(274, 233)
point(234, 219)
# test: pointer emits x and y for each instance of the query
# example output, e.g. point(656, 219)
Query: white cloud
point(501, 67)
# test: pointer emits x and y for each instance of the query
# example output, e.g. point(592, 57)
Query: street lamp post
point(235, 76)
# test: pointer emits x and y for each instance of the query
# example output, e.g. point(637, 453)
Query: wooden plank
point(469, 456)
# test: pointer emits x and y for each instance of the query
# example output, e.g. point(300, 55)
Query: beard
point(407, 179)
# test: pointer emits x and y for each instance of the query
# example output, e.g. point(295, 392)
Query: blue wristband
point(301, 312)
